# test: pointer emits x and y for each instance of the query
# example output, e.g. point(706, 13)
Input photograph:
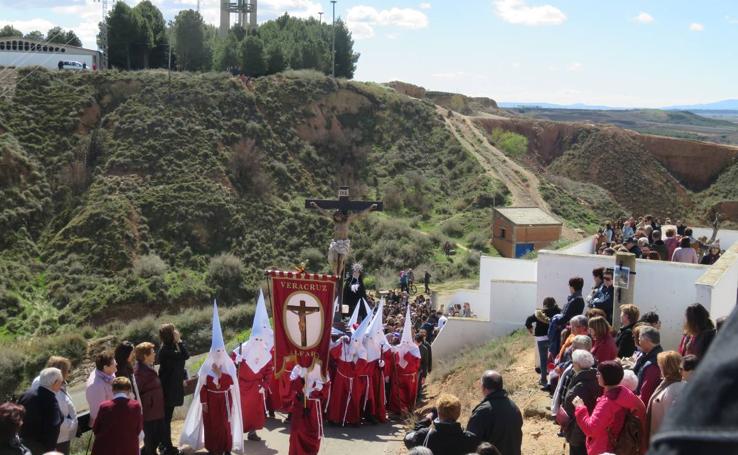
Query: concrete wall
point(468, 295)
point(727, 237)
point(667, 288)
point(664, 287)
point(48, 60)
point(584, 246)
point(717, 288)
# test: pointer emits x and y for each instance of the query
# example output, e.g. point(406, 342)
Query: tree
point(253, 57)
point(123, 32)
point(189, 41)
point(155, 46)
point(346, 58)
point(10, 31)
point(34, 35)
point(59, 36)
point(276, 61)
point(225, 55)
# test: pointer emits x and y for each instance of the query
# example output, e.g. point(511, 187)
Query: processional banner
point(302, 305)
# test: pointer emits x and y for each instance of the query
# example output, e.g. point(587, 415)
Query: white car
point(72, 66)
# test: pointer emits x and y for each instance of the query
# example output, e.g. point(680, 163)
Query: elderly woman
point(584, 386)
point(668, 390)
point(603, 343)
point(699, 331)
point(68, 428)
point(11, 420)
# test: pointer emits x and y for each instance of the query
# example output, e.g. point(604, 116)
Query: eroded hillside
point(104, 173)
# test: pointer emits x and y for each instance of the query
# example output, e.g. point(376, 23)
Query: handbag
point(562, 418)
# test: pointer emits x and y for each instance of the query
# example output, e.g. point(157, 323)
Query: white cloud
point(518, 12)
point(27, 26)
point(574, 66)
point(457, 75)
point(696, 27)
point(298, 8)
point(424, 5)
point(362, 19)
point(643, 18)
point(731, 20)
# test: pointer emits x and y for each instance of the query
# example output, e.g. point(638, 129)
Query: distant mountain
point(724, 105)
point(511, 104)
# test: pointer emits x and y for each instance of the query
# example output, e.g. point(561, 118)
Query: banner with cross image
point(302, 305)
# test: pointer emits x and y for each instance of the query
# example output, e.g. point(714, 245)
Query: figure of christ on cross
point(302, 311)
point(342, 212)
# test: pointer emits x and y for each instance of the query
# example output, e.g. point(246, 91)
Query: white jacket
point(68, 428)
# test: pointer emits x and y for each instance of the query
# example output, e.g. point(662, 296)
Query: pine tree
point(189, 41)
point(253, 56)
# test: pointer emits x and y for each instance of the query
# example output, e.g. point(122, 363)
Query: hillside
point(120, 193)
point(641, 173)
point(680, 124)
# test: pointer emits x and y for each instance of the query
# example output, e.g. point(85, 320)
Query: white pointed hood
point(407, 344)
point(356, 349)
point(353, 320)
point(193, 431)
point(257, 351)
point(375, 340)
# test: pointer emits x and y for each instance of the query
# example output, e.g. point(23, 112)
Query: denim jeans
point(543, 357)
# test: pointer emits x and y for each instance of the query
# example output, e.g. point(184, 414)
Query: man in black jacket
point(497, 419)
point(574, 303)
point(43, 418)
point(445, 437)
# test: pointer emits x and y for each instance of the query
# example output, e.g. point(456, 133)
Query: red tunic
point(253, 401)
point(218, 437)
point(404, 384)
point(378, 407)
point(345, 401)
point(306, 429)
point(277, 397)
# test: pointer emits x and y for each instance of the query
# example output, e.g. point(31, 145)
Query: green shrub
point(226, 277)
point(513, 144)
point(11, 372)
point(452, 228)
point(149, 265)
point(479, 241)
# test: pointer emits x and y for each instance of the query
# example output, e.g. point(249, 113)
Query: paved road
point(366, 440)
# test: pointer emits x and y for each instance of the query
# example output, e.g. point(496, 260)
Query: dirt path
point(521, 182)
point(515, 360)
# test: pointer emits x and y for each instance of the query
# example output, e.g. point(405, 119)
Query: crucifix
point(343, 212)
point(302, 311)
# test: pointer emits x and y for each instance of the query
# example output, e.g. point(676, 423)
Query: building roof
point(527, 215)
point(41, 44)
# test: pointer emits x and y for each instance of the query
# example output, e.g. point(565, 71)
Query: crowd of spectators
point(129, 402)
point(611, 390)
point(648, 238)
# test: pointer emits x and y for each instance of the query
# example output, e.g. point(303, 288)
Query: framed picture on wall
point(621, 277)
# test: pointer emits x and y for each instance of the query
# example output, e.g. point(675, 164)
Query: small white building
point(511, 289)
point(20, 52)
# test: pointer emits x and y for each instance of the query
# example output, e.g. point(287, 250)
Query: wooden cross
point(302, 311)
point(343, 203)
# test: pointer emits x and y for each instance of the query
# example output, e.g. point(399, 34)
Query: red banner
point(302, 305)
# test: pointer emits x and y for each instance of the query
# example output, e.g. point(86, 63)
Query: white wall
point(512, 302)
point(717, 288)
point(48, 60)
point(555, 268)
point(500, 269)
point(584, 246)
point(462, 333)
point(667, 288)
point(467, 295)
point(727, 237)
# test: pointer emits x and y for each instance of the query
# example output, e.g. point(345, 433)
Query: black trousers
point(153, 433)
point(577, 450)
point(166, 435)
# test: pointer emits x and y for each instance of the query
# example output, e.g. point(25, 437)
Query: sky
point(625, 53)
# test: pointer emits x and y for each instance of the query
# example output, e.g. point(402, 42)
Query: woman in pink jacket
point(608, 417)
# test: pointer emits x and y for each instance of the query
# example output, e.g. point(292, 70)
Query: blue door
point(521, 249)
